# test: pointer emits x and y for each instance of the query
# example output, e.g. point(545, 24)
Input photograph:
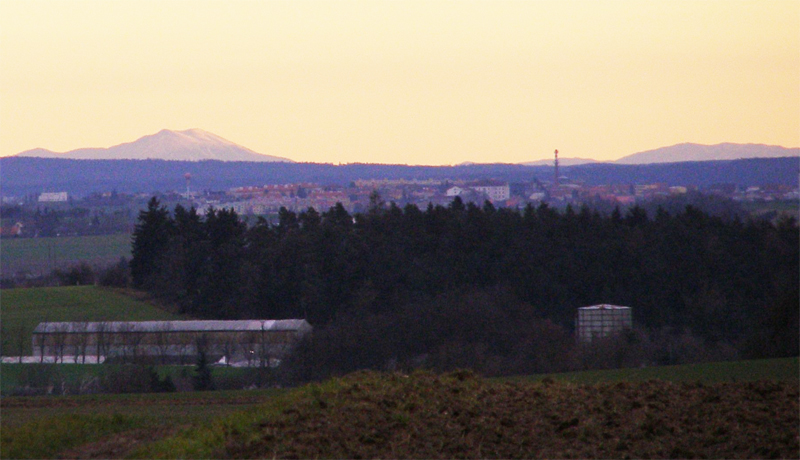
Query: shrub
point(45, 438)
point(76, 275)
point(118, 275)
point(132, 378)
point(202, 380)
point(39, 379)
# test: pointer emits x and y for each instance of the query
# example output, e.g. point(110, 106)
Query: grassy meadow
point(23, 309)
point(106, 426)
point(780, 369)
point(16, 375)
point(40, 256)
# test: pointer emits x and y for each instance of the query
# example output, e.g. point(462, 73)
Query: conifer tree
point(150, 241)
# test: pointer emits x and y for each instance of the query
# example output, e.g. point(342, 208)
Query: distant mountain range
point(687, 152)
point(699, 152)
point(199, 145)
point(189, 145)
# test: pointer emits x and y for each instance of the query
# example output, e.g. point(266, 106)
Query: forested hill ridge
point(22, 175)
point(494, 290)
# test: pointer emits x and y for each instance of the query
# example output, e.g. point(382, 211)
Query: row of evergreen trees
point(723, 280)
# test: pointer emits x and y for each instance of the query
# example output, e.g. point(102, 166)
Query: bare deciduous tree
point(80, 341)
point(41, 340)
point(60, 337)
point(250, 344)
point(20, 339)
point(228, 348)
point(162, 339)
point(136, 335)
point(184, 345)
point(101, 339)
point(263, 355)
point(122, 340)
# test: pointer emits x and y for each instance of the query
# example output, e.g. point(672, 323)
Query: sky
point(402, 82)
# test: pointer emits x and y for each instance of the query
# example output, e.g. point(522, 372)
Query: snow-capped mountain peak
point(188, 145)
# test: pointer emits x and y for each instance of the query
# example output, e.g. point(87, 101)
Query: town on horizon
point(109, 211)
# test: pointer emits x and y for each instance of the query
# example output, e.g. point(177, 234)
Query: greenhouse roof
point(270, 325)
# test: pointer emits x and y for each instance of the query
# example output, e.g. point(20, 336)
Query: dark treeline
point(492, 289)
point(45, 221)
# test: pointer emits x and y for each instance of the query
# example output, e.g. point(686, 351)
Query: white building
point(454, 191)
point(57, 197)
point(246, 341)
point(495, 192)
point(602, 320)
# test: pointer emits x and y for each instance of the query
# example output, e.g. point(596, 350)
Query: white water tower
point(602, 320)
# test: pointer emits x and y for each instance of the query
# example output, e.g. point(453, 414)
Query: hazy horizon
point(410, 82)
point(565, 161)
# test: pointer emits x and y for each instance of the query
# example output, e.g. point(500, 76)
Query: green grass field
point(72, 374)
point(40, 256)
point(783, 369)
point(49, 427)
point(22, 309)
point(202, 406)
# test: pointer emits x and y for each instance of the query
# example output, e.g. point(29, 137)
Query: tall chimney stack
point(555, 173)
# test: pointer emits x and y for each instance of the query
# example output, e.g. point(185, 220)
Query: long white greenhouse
point(247, 342)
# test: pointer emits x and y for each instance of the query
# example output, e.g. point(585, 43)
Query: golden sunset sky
point(416, 82)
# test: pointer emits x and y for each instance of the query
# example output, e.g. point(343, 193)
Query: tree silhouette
point(151, 238)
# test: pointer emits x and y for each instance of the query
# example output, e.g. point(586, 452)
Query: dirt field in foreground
point(460, 416)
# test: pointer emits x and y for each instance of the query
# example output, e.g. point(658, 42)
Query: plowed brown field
point(461, 416)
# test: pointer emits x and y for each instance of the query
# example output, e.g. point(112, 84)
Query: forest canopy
point(492, 289)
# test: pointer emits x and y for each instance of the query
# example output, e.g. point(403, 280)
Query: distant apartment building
point(53, 197)
point(454, 191)
point(249, 207)
point(381, 183)
point(650, 190)
point(495, 191)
